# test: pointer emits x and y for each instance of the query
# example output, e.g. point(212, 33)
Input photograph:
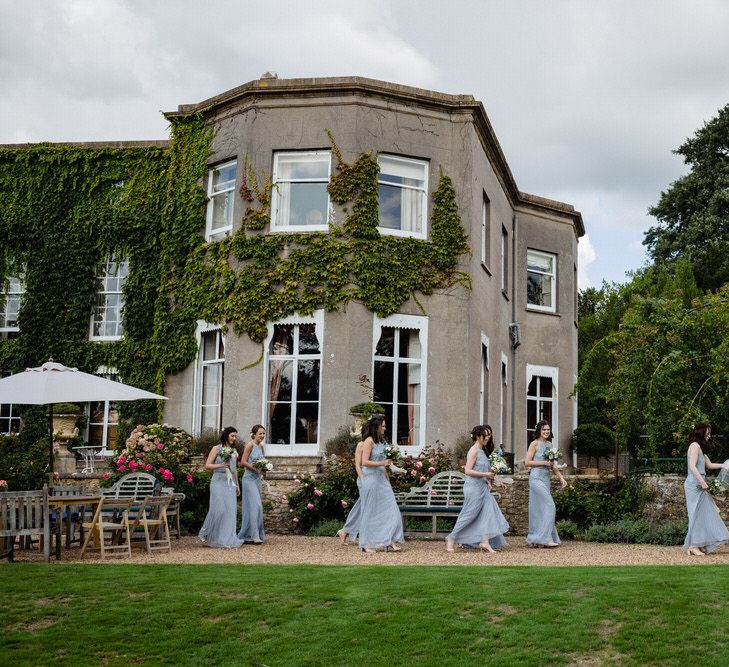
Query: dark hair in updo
point(226, 432)
point(255, 427)
point(538, 430)
point(371, 428)
point(699, 435)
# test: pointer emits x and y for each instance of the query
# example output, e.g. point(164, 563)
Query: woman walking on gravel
point(251, 530)
point(706, 530)
point(380, 525)
point(480, 523)
point(542, 510)
point(218, 530)
point(351, 525)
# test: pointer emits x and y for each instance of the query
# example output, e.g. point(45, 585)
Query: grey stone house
point(504, 352)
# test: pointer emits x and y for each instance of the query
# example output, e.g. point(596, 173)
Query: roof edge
point(152, 143)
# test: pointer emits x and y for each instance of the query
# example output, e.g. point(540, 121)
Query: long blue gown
point(218, 529)
point(542, 511)
point(380, 522)
point(251, 529)
point(481, 516)
point(351, 525)
point(705, 527)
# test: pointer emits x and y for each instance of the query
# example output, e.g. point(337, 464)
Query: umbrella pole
point(50, 444)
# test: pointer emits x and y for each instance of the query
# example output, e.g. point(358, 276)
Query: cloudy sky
point(588, 98)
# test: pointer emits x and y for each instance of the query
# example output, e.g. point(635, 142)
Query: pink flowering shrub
point(161, 450)
point(422, 468)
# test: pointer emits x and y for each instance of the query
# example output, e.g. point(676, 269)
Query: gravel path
point(296, 549)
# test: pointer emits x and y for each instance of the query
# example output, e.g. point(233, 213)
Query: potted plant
point(363, 411)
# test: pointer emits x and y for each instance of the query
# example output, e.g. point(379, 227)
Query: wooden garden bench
point(441, 496)
point(24, 514)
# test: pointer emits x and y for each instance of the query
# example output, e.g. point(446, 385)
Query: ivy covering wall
point(64, 210)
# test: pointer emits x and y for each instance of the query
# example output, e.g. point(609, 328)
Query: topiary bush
point(593, 440)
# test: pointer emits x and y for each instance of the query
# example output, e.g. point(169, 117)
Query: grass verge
point(315, 615)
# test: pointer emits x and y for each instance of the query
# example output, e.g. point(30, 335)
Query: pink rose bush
point(161, 450)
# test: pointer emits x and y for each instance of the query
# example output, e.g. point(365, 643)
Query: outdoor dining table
point(63, 503)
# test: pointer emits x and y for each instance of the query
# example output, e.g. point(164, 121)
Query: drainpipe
point(515, 336)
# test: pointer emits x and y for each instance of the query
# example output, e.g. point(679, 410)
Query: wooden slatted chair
point(24, 514)
point(111, 516)
point(72, 516)
point(152, 518)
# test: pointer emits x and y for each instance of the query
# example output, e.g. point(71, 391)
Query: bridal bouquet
point(498, 464)
point(228, 454)
point(263, 464)
point(553, 455)
point(717, 488)
point(392, 452)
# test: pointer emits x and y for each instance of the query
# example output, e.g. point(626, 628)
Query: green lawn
point(312, 615)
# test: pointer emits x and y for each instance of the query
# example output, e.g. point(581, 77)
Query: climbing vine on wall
point(65, 209)
point(252, 278)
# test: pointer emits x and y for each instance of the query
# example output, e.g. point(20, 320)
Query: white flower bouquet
point(263, 464)
point(228, 454)
point(553, 454)
point(717, 488)
point(392, 451)
point(498, 464)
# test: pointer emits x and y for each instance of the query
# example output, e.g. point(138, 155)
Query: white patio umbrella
point(56, 383)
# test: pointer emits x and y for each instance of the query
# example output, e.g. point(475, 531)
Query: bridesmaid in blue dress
point(480, 523)
point(351, 525)
point(706, 530)
point(380, 524)
point(542, 511)
point(218, 529)
point(251, 530)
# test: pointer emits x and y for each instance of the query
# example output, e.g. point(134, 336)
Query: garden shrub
point(327, 497)
point(624, 532)
point(587, 503)
point(342, 444)
point(421, 468)
point(24, 457)
point(669, 533)
point(639, 531)
point(593, 440)
point(326, 528)
point(568, 530)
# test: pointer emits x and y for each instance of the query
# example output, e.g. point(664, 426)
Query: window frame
point(485, 231)
point(553, 276)
point(505, 261)
point(399, 321)
point(122, 303)
point(485, 372)
point(388, 231)
point(14, 412)
point(223, 231)
point(276, 227)
point(551, 372)
point(5, 295)
point(197, 405)
point(293, 448)
point(105, 372)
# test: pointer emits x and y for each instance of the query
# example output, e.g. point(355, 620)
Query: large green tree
point(693, 214)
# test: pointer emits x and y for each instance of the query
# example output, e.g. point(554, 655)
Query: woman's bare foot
point(695, 551)
point(449, 546)
point(342, 535)
point(486, 547)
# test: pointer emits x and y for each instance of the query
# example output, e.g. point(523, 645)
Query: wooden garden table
point(62, 503)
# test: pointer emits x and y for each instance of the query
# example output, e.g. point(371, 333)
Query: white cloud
point(586, 255)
